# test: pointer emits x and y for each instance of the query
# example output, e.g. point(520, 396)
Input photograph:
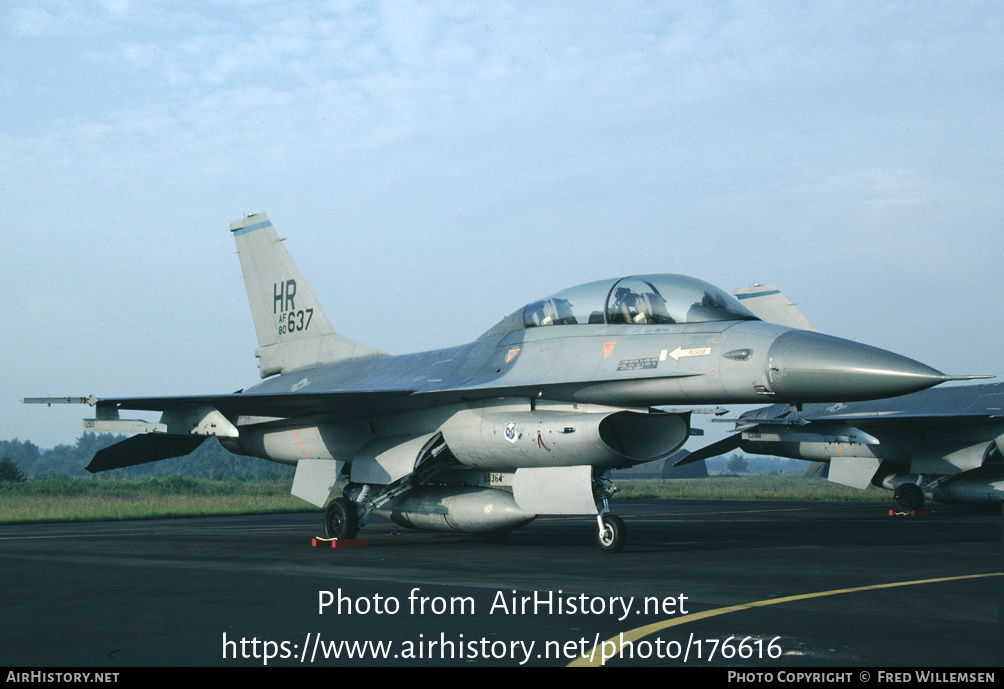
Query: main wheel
point(908, 497)
point(613, 537)
point(341, 519)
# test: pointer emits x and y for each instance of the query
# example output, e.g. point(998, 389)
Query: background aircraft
point(945, 444)
point(523, 421)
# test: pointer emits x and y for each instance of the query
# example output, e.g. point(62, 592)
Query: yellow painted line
point(594, 659)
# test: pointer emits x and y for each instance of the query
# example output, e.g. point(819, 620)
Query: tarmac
point(769, 585)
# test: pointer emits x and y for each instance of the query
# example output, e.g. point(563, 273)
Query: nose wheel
point(612, 536)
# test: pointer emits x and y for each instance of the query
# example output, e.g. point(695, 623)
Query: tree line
point(26, 460)
point(210, 460)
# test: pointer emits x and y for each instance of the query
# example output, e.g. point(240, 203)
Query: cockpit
point(635, 300)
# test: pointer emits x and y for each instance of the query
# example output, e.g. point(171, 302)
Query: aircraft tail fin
point(293, 332)
point(768, 304)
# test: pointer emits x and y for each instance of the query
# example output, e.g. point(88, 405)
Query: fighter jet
point(523, 421)
point(943, 444)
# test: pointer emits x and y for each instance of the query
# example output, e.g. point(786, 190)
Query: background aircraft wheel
point(341, 519)
point(613, 538)
point(908, 497)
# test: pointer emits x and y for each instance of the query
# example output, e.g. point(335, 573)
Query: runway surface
point(753, 584)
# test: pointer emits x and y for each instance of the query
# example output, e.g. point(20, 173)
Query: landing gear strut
point(613, 533)
point(341, 519)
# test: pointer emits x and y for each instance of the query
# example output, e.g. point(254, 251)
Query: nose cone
point(812, 367)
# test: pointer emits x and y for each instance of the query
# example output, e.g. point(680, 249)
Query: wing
point(344, 404)
point(186, 422)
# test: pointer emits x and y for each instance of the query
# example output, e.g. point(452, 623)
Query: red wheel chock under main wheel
point(318, 542)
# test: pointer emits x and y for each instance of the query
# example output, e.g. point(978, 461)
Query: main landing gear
point(341, 519)
point(908, 497)
point(345, 515)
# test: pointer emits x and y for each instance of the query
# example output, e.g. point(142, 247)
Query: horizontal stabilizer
point(142, 449)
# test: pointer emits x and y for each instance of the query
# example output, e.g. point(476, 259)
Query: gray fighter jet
point(523, 421)
point(944, 444)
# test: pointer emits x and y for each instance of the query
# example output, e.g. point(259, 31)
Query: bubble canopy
point(635, 300)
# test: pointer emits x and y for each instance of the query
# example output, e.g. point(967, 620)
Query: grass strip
point(67, 500)
point(754, 487)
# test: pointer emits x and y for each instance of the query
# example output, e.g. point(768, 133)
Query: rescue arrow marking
point(680, 352)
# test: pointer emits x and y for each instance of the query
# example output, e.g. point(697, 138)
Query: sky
point(434, 166)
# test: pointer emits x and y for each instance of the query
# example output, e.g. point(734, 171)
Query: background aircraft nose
point(809, 366)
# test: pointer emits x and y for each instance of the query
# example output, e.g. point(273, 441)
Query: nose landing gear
point(613, 533)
